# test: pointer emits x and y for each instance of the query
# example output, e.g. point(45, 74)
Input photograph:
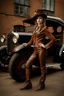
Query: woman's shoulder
point(46, 30)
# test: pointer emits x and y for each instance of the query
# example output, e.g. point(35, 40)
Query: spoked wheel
point(17, 66)
point(3, 67)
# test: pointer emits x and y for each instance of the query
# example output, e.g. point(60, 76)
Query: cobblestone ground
point(54, 84)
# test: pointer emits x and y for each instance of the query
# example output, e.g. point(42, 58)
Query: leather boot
point(28, 85)
point(40, 86)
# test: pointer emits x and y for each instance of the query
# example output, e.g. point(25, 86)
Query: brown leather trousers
point(39, 53)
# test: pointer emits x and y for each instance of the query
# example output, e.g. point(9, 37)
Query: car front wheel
point(17, 66)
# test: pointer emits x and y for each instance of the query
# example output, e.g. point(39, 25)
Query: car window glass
point(29, 29)
point(19, 28)
point(59, 29)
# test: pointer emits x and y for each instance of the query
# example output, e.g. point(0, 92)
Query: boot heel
point(40, 87)
point(28, 85)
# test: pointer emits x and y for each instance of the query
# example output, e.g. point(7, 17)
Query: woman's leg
point(42, 59)
point(28, 84)
point(28, 64)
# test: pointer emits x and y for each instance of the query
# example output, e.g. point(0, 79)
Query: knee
point(27, 65)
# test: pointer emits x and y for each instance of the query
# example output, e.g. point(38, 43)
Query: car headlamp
point(15, 37)
point(2, 38)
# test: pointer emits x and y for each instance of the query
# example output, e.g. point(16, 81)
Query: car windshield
point(29, 29)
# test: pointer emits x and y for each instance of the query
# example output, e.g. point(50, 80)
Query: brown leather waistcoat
point(39, 37)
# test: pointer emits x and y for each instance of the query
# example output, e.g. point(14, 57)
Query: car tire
point(17, 66)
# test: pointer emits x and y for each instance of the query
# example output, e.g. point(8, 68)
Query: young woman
point(37, 39)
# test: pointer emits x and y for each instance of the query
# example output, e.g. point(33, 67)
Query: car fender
point(3, 47)
point(18, 48)
point(22, 48)
point(4, 57)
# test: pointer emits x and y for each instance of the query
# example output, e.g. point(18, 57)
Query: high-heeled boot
point(40, 86)
point(28, 85)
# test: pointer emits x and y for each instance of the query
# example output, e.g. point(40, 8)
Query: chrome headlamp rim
point(14, 39)
point(2, 38)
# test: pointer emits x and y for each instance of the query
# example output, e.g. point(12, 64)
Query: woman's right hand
point(24, 44)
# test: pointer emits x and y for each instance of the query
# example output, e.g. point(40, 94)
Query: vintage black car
point(19, 54)
point(4, 56)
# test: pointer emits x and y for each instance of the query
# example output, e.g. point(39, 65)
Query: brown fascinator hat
point(37, 13)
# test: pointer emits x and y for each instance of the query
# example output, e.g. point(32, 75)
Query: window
point(59, 29)
point(22, 7)
point(48, 5)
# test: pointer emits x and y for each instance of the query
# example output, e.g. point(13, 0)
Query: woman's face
point(39, 20)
